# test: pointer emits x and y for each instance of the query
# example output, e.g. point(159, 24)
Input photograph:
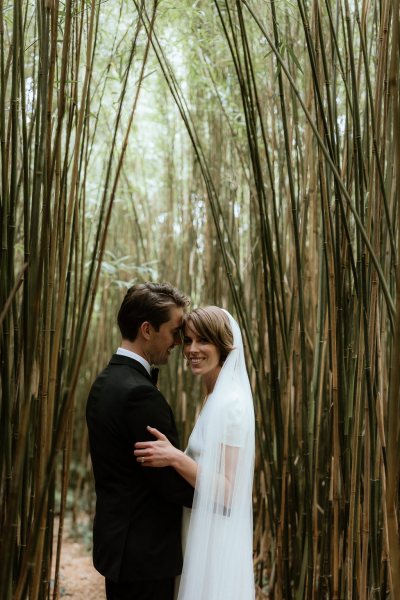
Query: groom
point(137, 526)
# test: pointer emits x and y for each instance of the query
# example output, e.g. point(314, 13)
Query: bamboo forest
point(248, 152)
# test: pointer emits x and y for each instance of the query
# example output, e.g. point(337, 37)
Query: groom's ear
point(145, 330)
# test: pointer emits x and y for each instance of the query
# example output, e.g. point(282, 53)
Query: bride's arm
point(161, 453)
point(231, 454)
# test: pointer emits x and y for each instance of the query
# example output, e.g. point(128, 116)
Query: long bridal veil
point(218, 559)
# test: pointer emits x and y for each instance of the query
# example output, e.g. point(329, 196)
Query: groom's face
point(168, 336)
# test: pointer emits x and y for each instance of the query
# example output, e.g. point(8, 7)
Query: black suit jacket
point(137, 526)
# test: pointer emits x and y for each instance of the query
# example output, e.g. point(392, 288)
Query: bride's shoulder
point(234, 396)
point(232, 405)
point(233, 420)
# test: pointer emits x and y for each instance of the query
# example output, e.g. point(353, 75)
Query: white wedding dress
point(217, 533)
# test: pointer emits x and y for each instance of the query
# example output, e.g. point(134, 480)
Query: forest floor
point(78, 578)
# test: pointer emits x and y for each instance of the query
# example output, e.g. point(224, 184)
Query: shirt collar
point(137, 357)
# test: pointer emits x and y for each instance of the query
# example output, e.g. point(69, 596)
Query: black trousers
point(162, 589)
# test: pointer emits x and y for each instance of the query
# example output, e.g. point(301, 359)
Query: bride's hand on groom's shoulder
point(158, 453)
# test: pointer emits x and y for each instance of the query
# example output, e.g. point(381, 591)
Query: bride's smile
point(202, 355)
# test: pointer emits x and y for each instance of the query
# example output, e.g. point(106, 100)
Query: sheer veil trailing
point(218, 558)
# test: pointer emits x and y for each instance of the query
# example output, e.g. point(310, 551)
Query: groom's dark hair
point(148, 302)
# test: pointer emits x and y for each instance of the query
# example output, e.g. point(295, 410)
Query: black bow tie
point(154, 374)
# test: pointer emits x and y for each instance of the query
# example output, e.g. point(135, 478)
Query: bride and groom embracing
point(143, 480)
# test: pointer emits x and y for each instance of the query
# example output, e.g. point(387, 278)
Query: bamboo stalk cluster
point(267, 183)
point(54, 220)
point(295, 143)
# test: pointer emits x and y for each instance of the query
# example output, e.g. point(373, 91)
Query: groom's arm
point(147, 406)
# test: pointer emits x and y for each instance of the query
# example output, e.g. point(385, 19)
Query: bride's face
point(202, 355)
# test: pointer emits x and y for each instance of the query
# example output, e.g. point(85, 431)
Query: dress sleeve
point(234, 432)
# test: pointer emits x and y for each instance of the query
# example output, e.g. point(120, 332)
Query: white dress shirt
point(130, 354)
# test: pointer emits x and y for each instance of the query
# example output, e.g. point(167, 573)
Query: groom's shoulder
point(123, 389)
point(124, 373)
point(127, 368)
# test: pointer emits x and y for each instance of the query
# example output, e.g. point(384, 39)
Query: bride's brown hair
point(212, 323)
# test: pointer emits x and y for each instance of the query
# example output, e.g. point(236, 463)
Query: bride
point(218, 462)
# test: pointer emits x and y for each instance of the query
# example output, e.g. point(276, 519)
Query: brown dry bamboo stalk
point(393, 436)
point(365, 517)
point(13, 292)
point(70, 207)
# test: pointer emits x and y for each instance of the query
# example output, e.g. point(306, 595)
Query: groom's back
point(136, 532)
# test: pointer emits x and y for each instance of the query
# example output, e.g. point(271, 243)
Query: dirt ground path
point(78, 578)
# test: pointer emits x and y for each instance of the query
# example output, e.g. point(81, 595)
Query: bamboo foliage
point(262, 175)
point(51, 254)
point(312, 126)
